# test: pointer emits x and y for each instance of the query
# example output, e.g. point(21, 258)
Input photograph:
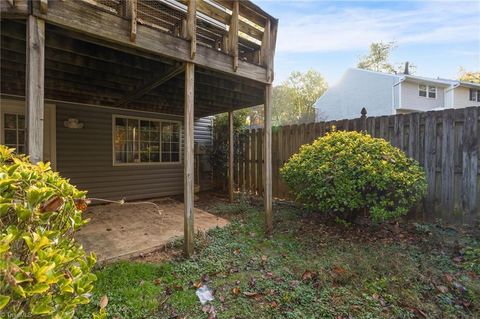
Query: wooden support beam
point(192, 27)
point(188, 172)
point(230, 155)
point(267, 189)
point(171, 73)
point(233, 34)
point(43, 6)
point(34, 87)
point(107, 29)
point(267, 50)
point(133, 20)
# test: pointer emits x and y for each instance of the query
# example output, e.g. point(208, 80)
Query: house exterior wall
point(85, 156)
point(462, 98)
point(410, 99)
point(357, 89)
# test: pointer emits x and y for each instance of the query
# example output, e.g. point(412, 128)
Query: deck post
point(230, 156)
point(267, 168)
point(189, 159)
point(192, 27)
point(233, 34)
point(34, 87)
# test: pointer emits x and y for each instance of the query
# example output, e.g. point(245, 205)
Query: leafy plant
point(346, 173)
point(44, 273)
point(472, 258)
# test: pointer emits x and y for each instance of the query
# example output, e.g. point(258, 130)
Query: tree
point(378, 59)
point(293, 99)
point(469, 76)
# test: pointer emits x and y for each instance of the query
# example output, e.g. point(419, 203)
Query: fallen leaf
point(81, 204)
point(264, 258)
point(308, 275)
point(236, 251)
point(157, 281)
point(339, 270)
point(442, 289)
point(448, 277)
point(197, 284)
point(236, 291)
point(52, 205)
point(103, 302)
point(274, 304)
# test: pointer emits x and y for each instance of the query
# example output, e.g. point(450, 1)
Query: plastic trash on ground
point(204, 294)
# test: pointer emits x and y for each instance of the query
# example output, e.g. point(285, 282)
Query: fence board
point(260, 161)
point(241, 163)
point(246, 156)
point(430, 159)
point(253, 160)
point(470, 161)
point(448, 138)
point(414, 136)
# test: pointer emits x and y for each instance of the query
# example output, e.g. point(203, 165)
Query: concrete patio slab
point(123, 231)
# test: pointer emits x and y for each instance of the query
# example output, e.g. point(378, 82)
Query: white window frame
point(428, 86)
point(477, 95)
point(153, 119)
point(18, 108)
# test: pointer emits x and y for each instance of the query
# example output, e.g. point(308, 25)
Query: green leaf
point(4, 301)
point(42, 307)
point(39, 288)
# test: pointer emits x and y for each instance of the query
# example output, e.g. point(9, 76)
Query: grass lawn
point(311, 268)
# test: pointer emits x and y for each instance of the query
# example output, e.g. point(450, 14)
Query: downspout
point(450, 88)
point(403, 78)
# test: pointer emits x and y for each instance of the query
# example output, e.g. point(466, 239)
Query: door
point(12, 128)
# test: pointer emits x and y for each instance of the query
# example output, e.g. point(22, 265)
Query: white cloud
point(344, 28)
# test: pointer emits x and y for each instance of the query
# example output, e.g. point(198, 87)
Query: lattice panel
point(157, 15)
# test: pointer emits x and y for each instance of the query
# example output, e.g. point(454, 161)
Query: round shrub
point(44, 273)
point(346, 173)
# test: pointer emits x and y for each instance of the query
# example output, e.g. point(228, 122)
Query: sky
point(438, 37)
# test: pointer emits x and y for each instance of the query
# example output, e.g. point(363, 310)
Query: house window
point(429, 91)
point(474, 95)
point(14, 131)
point(422, 90)
point(139, 141)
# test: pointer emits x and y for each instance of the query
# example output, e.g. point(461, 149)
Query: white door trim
point(18, 107)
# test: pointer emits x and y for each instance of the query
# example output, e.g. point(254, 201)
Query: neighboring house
point(387, 94)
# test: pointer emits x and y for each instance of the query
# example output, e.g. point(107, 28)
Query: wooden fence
point(446, 143)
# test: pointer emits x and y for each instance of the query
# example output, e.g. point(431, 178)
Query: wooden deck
point(229, 36)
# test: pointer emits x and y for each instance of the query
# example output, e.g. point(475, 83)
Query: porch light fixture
point(72, 123)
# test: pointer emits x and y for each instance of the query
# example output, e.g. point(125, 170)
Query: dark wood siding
point(85, 157)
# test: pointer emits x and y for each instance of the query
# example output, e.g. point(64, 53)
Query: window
point(432, 92)
point(14, 131)
point(145, 141)
point(422, 90)
point(429, 91)
point(474, 95)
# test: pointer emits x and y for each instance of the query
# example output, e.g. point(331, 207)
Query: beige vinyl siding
point(462, 98)
point(85, 156)
point(410, 99)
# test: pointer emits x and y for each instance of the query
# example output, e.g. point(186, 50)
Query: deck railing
point(233, 27)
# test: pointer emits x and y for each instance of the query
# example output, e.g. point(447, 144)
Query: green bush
point(346, 173)
point(44, 273)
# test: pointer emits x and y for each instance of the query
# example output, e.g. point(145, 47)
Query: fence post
point(364, 119)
